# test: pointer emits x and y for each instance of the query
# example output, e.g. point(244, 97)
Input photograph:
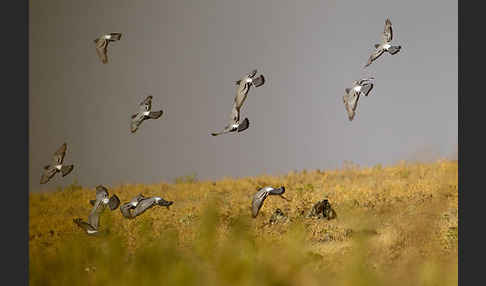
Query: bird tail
point(66, 169)
point(155, 114)
point(394, 49)
point(115, 36)
point(258, 81)
point(244, 125)
point(278, 191)
point(366, 88)
point(165, 203)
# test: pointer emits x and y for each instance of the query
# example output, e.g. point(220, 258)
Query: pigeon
point(99, 205)
point(102, 45)
point(57, 166)
point(261, 195)
point(144, 113)
point(243, 86)
point(386, 45)
point(278, 216)
point(322, 209)
point(351, 96)
point(140, 204)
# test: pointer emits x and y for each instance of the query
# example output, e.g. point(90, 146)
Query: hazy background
point(187, 55)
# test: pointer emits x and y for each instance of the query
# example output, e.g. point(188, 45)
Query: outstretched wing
point(59, 155)
point(350, 100)
point(388, 32)
point(376, 54)
point(135, 124)
point(252, 73)
point(241, 94)
point(114, 202)
point(258, 200)
point(101, 49)
point(48, 174)
point(94, 216)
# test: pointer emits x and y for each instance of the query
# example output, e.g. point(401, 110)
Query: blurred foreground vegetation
point(395, 225)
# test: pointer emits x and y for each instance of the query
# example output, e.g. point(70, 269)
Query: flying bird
point(243, 87)
point(386, 45)
point(351, 95)
point(261, 195)
point(139, 204)
point(99, 204)
point(145, 112)
point(102, 45)
point(57, 165)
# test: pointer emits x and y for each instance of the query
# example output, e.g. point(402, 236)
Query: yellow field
point(395, 225)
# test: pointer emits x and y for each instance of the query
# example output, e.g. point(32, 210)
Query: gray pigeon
point(351, 97)
point(99, 205)
point(243, 86)
point(56, 166)
point(139, 204)
point(144, 113)
point(102, 45)
point(261, 195)
point(386, 45)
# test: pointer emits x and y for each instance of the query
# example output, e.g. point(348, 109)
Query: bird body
point(385, 46)
point(242, 89)
point(99, 205)
point(102, 45)
point(57, 165)
point(140, 204)
point(145, 112)
point(351, 95)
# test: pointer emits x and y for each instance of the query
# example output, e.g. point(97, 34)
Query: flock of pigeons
point(140, 203)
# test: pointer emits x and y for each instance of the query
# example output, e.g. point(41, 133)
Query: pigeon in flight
point(99, 204)
point(139, 204)
point(386, 45)
point(102, 45)
point(243, 86)
point(351, 96)
point(144, 113)
point(261, 195)
point(57, 166)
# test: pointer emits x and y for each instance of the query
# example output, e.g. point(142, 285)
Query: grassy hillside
point(395, 225)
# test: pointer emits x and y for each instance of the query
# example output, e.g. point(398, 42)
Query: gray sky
point(187, 55)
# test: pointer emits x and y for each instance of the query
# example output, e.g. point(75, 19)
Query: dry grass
point(395, 225)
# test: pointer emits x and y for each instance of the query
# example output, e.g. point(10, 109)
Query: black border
point(471, 157)
point(15, 130)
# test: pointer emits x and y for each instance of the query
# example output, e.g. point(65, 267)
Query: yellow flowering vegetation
point(395, 225)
